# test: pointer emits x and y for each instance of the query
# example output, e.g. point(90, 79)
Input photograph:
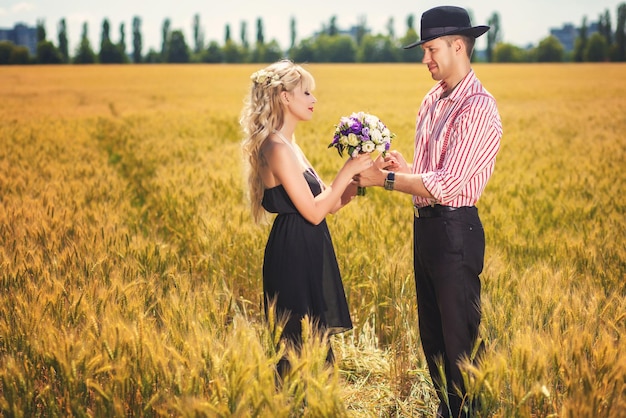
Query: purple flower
point(358, 128)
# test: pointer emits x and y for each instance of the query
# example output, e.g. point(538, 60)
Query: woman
point(300, 271)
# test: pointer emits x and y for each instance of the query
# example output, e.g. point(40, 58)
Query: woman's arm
point(346, 197)
point(289, 172)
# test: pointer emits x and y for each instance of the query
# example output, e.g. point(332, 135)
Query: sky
point(521, 22)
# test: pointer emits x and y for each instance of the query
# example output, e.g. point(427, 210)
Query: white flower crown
point(262, 76)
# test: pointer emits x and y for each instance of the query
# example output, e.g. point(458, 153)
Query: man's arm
point(404, 182)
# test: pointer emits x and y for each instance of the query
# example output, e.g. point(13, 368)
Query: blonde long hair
point(263, 112)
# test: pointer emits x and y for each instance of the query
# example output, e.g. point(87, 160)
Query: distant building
point(568, 33)
point(352, 32)
point(21, 35)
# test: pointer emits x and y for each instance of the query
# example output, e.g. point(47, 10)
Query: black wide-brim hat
point(446, 20)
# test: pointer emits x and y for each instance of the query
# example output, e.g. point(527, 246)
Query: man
point(457, 137)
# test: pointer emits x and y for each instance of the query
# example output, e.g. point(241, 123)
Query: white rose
point(343, 141)
point(377, 136)
point(368, 146)
point(353, 140)
point(371, 120)
point(380, 148)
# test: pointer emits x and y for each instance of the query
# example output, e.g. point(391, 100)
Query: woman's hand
point(394, 161)
point(357, 164)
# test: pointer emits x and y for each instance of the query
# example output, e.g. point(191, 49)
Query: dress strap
point(300, 156)
point(285, 140)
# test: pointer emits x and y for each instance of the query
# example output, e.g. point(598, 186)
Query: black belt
point(434, 211)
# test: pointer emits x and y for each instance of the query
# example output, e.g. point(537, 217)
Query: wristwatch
point(390, 180)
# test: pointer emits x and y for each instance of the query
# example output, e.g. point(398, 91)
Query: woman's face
point(300, 102)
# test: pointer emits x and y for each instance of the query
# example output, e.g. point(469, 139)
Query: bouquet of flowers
point(361, 133)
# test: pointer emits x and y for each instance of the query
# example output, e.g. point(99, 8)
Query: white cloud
point(23, 7)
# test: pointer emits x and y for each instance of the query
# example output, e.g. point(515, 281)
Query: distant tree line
point(601, 46)
point(328, 45)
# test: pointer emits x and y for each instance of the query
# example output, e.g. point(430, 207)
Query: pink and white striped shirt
point(470, 114)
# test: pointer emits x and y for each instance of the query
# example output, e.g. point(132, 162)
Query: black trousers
point(449, 252)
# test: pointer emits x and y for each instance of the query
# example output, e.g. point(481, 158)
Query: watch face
point(389, 181)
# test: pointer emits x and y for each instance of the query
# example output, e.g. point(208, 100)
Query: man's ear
point(459, 45)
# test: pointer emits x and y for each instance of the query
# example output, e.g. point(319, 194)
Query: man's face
point(439, 57)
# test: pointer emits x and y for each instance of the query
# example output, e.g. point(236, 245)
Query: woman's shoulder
point(273, 149)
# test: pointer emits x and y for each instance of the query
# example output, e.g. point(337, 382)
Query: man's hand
point(373, 176)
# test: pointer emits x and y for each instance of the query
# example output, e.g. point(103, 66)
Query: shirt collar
point(460, 89)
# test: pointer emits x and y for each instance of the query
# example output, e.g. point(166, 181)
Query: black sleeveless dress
point(300, 267)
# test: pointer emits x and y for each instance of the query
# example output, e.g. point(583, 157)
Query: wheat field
point(130, 269)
